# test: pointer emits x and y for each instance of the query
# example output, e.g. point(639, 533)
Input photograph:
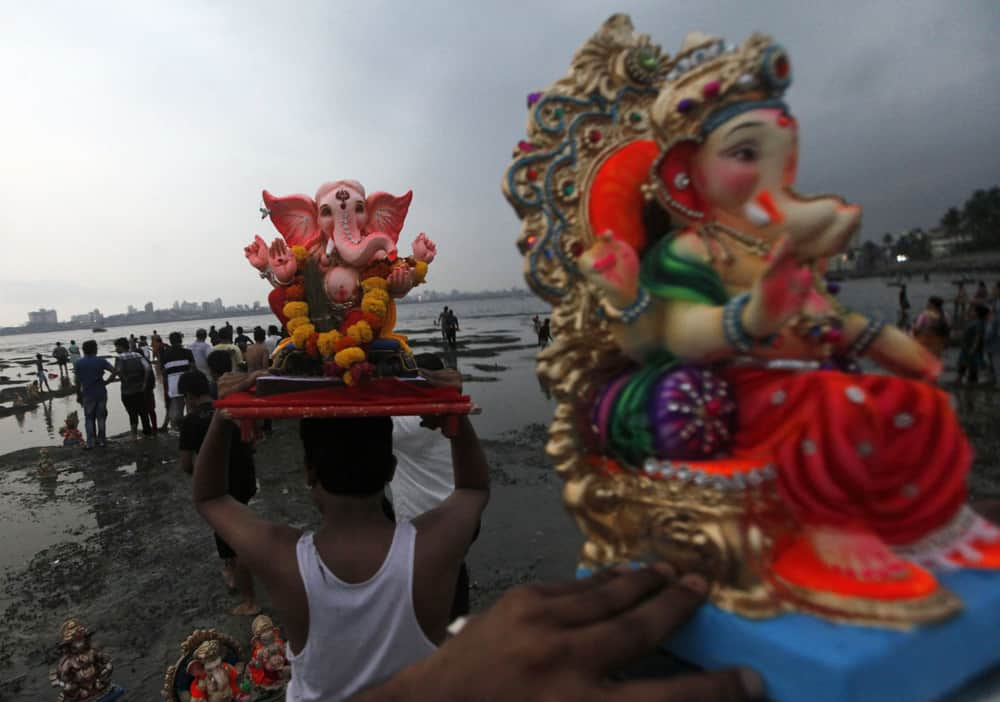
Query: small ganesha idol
point(268, 666)
point(336, 273)
point(712, 413)
point(83, 673)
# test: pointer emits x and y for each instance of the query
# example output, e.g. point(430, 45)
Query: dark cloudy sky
point(135, 137)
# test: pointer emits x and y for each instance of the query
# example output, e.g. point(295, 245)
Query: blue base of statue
point(805, 658)
point(114, 693)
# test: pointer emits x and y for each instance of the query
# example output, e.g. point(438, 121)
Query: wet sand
point(112, 537)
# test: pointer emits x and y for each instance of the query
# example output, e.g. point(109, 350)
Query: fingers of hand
point(643, 624)
point(615, 595)
point(734, 685)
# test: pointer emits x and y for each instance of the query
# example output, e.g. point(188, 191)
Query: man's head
point(349, 456)
point(226, 335)
point(38, 356)
point(200, 334)
point(239, 330)
point(176, 338)
point(259, 335)
point(89, 347)
point(121, 344)
point(273, 330)
point(58, 344)
point(219, 363)
point(193, 385)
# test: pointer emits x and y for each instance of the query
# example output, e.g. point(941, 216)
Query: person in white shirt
point(273, 337)
point(361, 598)
point(424, 476)
point(200, 349)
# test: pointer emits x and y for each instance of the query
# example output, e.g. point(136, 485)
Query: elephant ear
point(386, 213)
point(295, 217)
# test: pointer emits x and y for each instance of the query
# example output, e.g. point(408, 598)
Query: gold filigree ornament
point(579, 128)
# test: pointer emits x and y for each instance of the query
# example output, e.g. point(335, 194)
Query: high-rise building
point(42, 316)
point(149, 307)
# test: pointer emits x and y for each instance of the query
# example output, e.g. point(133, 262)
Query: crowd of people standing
point(145, 365)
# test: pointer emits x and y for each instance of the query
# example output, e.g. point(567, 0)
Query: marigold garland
point(360, 332)
point(292, 310)
point(295, 323)
point(295, 293)
point(326, 344)
point(301, 253)
point(374, 283)
point(348, 357)
point(419, 272)
point(301, 335)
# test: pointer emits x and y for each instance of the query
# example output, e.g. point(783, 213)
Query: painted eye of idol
point(324, 211)
point(359, 207)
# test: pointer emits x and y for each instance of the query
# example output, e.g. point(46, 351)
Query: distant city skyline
point(49, 317)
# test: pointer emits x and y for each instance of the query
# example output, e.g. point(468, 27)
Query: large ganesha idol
point(336, 273)
point(711, 409)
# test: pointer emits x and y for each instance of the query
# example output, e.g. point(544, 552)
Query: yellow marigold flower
point(374, 283)
point(327, 343)
point(348, 378)
point(301, 335)
point(300, 253)
point(360, 332)
point(348, 357)
point(373, 305)
point(295, 309)
point(377, 294)
point(419, 272)
point(295, 323)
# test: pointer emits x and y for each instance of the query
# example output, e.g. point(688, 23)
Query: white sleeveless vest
point(360, 634)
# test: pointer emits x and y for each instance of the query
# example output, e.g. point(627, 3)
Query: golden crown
point(710, 81)
point(261, 623)
point(208, 650)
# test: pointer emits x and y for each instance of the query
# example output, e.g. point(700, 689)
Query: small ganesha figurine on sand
point(269, 668)
point(336, 273)
point(83, 673)
point(214, 679)
point(711, 409)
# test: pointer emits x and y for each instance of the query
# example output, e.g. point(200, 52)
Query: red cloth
point(380, 397)
point(876, 450)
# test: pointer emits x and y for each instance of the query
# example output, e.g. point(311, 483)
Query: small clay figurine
point(214, 679)
point(268, 665)
point(83, 673)
point(70, 431)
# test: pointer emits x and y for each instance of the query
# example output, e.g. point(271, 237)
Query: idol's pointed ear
point(674, 184)
point(386, 213)
point(295, 217)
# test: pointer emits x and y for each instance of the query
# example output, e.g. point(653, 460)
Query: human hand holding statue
point(562, 641)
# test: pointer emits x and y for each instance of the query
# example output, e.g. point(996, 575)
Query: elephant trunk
point(354, 247)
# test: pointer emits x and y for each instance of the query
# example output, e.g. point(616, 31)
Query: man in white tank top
point(361, 598)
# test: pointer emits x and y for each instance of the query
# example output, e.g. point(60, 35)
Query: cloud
point(137, 136)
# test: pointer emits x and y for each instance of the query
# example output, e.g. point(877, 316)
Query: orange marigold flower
point(346, 342)
point(300, 253)
point(295, 293)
